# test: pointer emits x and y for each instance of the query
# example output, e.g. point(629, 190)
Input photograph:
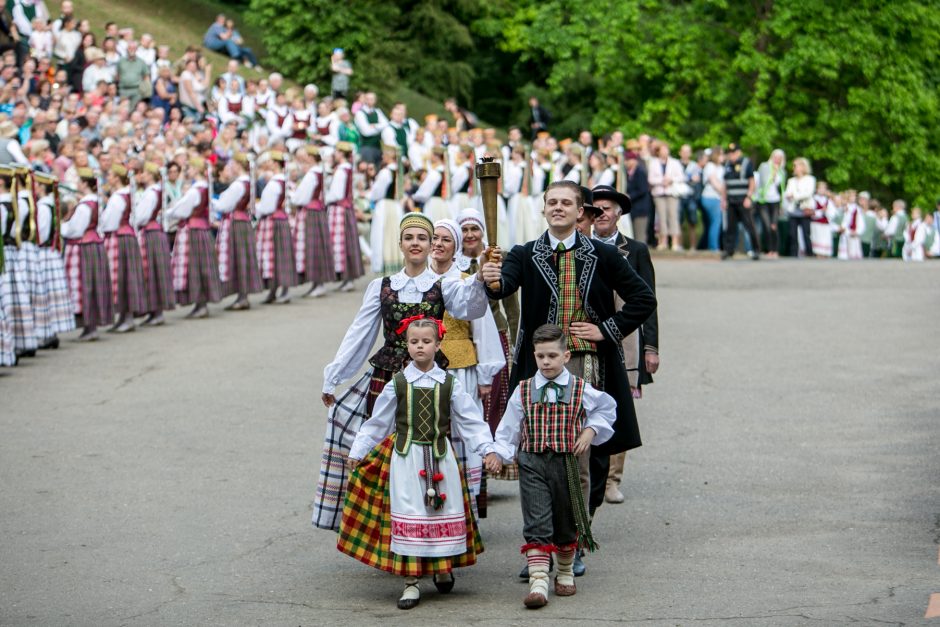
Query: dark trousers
point(547, 517)
point(600, 468)
point(866, 250)
point(767, 213)
point(798, 224)
point(738, 214)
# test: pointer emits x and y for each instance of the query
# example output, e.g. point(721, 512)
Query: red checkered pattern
point(113, 250)
point(553, 426)
point(180, 261)
point(337, 215)
point(265, 246)
point(73, 274)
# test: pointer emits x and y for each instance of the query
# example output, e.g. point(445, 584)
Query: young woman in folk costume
point(408, 510)
point(15, 281)
point(55, 315)
point(387, 301)
point(194, 264)
point(120, 241)
point(275, 241)
point(314, 254)
point(154, 245)
point(461, 179)
point(344, 235)
point(506, 316)
point(86, 262)
point(473, 351)
point(236, 246)
point(386, 214)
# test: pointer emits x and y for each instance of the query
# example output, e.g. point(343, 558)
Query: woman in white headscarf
point(472, 348)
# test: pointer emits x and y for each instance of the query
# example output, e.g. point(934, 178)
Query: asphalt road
point(789, 474)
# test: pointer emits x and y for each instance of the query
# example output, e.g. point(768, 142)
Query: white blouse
point(466, 421)
point(463, 299)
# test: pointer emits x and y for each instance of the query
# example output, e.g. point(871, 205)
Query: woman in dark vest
point(389, 300)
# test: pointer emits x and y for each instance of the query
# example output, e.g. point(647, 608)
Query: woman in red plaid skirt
point(194, 264)
point(408, 511)
point(344, 233)
point(86, 263)
point(236, 244)
point(275, 242)
point(127, 269)
point(154, 245)
point(313, 249)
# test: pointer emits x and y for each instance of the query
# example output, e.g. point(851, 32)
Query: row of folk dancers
point(109, 262)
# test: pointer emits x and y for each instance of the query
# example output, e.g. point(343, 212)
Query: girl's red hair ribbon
point(403, 326)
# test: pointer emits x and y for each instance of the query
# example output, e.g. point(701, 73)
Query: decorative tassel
point(581, 520)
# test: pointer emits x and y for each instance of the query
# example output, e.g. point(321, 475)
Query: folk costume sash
point(571, 305)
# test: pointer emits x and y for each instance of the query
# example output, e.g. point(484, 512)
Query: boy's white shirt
point(466, 421)
point(600, 411)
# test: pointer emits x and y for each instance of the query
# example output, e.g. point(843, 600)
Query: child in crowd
point(550, 420)
point(407, 509)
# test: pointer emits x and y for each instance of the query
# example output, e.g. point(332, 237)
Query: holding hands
point(492, 463)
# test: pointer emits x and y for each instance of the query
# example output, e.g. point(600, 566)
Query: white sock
point(411, 589)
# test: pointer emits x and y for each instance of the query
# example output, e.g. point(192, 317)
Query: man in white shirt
point(370, 121)
point(231, 74)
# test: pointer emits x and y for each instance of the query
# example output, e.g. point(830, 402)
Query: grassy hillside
point(181, 23)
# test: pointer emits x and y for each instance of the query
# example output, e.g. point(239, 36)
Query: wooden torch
point(488, 172)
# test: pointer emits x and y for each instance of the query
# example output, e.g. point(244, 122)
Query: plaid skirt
point(61, 317)
point(313, 252)
point(129, 295)
point(238, 259)
point(345, 418)
point(366, 529)
point(38, 292)
point(7, 344)
point(155, 255)
point(495, 407)
point(14, 285)
point(89, 277)
point(201, 284)
point(344, 236)
point(276, 253)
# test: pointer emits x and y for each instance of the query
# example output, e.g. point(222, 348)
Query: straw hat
point(7, 129)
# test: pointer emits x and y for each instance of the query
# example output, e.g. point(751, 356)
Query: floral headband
point(403, 327)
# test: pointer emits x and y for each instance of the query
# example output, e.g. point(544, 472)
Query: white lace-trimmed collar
point(412, 373)
point(561, 379)
point(423, 282)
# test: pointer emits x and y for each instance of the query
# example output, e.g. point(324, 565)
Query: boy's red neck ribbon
point(441, 329)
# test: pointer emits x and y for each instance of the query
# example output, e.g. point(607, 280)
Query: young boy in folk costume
point(550, 420)
point(344, 234)
point(314, 254)
point(154, 245)
point(86, 262)
point(275, 242)
point(15, 279)
point(194, 264)
point(127, 270)
point(236, 245)
point(407, 510)
point(56, 316)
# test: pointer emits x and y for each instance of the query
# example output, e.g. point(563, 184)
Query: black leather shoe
point(443, 584)
point(578, 566)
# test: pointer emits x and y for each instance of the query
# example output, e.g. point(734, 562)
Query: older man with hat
point(640, 348)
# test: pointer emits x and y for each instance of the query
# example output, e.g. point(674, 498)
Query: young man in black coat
point(570, 280)
point(642, 350)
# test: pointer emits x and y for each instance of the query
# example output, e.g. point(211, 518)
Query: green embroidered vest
point(423, 415)
point(374, 140)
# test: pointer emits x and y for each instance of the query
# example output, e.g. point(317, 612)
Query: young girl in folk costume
point(86, 262)
point(314, 255)
point(473, 351)
point(56, 314)
point(275, 242)
point(15, 279)
point(506, 316)
point(127, 270)
point(194, 264)
point(236, 246)
point(387, 301)
point(407, 511)
point(344, 234)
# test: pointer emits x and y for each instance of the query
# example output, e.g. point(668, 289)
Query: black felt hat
point(606, 192)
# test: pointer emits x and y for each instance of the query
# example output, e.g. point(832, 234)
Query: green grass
point(176, 23)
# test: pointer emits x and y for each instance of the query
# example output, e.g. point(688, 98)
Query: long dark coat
point(601, 271)
point(637, 255)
